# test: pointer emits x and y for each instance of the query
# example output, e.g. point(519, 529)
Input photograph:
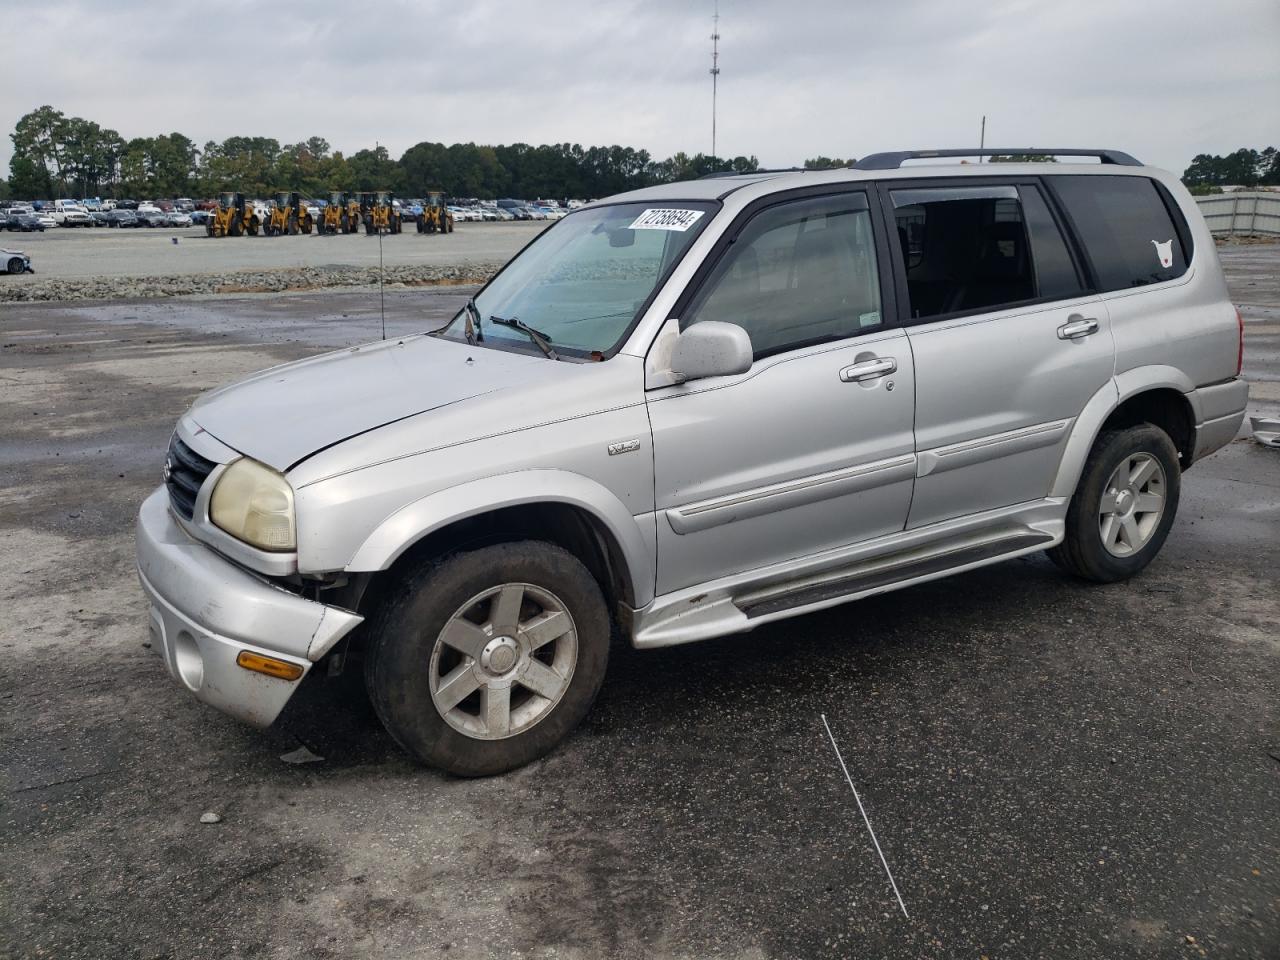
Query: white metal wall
point(1242, 213)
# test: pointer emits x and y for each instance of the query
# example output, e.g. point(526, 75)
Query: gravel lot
point(142, 252)
point(1052, 769)
point(107, 264)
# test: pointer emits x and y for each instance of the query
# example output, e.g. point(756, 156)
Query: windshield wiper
point(472, 330)
point(541, 339)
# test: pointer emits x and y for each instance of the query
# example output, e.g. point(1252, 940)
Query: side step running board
point(881, 575)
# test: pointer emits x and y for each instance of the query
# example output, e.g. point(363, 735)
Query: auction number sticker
point(663, 218)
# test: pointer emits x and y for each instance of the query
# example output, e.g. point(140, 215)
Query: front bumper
point(205, 611)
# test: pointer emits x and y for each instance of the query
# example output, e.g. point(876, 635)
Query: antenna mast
point(715, 72)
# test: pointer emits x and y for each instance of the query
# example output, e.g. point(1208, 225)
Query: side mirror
point(711, 349)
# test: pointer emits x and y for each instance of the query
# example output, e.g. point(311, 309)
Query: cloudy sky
point(1163, 79)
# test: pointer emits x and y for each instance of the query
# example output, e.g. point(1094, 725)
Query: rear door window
point(1125, 227)
point(965, 248)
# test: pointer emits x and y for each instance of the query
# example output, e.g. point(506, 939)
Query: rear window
point(1126, 229)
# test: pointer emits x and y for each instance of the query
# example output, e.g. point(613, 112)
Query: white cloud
point(1163, 80)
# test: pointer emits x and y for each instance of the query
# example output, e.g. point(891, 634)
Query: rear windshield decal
point(662, 218)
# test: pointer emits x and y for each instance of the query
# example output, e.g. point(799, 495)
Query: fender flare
point(1102, 404)
point(402, 529)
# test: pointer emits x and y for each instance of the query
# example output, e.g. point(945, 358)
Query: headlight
point(254, 503)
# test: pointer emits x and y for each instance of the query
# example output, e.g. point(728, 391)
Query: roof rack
point(892, 161)
point(750, 173)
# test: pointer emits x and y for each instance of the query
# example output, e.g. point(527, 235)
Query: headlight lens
point(254, 503)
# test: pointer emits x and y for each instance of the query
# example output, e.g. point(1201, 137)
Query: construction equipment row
point(344, 213)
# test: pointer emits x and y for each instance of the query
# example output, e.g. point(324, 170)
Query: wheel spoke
point(1110, 530)
point(504, 615)
point(1132, 536)
point(495, 709)
point(1109, 502)
point(457, 686)
point(1149, 503)
point(546, 628)
point(1141, 473)
point(542, 680)
point(465, 636)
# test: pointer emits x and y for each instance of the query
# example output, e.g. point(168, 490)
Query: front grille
point(184, 473)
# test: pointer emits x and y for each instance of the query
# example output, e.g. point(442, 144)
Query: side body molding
point(414, 521)
point(1100, 406)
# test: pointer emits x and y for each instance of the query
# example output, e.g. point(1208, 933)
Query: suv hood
point(285, 414)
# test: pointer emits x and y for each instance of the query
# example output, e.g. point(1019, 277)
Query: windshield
point(581, 283)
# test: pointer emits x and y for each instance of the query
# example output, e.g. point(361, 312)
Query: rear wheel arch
point(1161, 401)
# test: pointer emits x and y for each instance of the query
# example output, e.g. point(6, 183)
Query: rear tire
point(1123, 507)
point(535, 624)
point(16, 266)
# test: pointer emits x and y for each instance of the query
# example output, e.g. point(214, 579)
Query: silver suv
point(690, 410)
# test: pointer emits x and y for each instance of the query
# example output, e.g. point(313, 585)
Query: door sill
point(743, 601)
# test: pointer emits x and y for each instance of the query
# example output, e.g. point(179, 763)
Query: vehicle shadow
point(843, 651)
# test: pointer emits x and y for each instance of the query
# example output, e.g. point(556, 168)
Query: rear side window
point(978, 248)
point(1126, 229)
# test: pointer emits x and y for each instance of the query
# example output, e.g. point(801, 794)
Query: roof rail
point(748, 173)
point(892, 161)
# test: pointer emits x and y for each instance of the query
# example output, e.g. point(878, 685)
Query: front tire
point(16, 266)
point(1123, 507)
point(484, 661)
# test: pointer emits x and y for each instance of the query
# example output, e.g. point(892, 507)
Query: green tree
point(28, 180)
point(825, 163)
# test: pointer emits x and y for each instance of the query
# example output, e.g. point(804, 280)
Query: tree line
point(1245, 167)
point(57, 155)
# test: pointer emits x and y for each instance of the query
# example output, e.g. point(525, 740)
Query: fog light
point(272, 667)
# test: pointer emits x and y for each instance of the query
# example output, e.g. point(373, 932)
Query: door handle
point(869, 369)
point(1077, 327)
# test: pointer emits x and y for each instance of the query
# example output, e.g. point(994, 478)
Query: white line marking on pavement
point(865, 818)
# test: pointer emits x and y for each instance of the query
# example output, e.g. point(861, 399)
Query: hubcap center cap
point(499, 655)
point(1125, 502)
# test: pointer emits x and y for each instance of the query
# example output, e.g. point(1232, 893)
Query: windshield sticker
point(1164, 251)
point(666, 219)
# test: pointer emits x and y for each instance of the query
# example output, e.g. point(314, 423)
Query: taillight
point(1240, 351)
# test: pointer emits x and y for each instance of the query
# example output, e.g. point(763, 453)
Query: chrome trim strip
point(705, 514)
point(942, 459)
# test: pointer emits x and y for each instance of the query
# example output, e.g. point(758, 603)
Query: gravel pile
point(261, 281)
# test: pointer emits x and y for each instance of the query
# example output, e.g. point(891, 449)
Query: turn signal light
point(272, 667)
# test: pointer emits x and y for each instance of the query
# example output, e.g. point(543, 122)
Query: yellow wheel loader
point(233, 218)
point(342, 215)
point(379, 212)
point(289, 215)
point(436, 217)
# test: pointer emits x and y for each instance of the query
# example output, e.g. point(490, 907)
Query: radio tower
point(715, 72)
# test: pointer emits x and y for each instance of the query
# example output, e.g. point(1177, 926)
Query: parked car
point(153, 218)
point(15, 261)
point(101, 218)
point(123, 218)
point(176, 218)
point(199, 217)
point(799, 391)
point(146, 206)
point(71, 213)
point(46, 219)
point(504, 214)
point(23, 222)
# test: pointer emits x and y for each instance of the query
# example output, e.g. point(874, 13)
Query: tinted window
point(798, 273)
point(1125, 228)
point(1056, 277)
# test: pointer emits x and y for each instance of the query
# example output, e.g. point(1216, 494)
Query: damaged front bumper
point(206, 611)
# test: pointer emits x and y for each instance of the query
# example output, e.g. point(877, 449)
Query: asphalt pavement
point(1052, 769)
